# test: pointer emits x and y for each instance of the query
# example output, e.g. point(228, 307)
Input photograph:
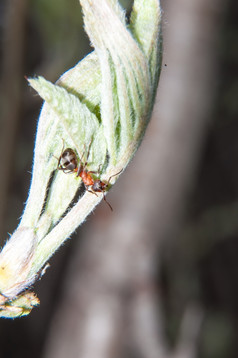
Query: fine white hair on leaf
point(15, 262)
point(99, 110)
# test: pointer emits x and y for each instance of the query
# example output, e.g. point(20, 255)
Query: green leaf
point(100, 109)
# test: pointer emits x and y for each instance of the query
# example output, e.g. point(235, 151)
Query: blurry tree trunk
point(111, 302)
point(10, 87)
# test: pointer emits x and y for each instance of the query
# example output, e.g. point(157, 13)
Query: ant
point(68, 163)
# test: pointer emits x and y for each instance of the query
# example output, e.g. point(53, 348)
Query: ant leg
point(81, 156)
point(95, 171)
point(58, 164)
point(90, 191)
point(99, 169)
point(62, 148)
point(92, 172)
point(89, 147)
point(55, 157)
point(79, 169)
point(113, 176)
point(104, 198)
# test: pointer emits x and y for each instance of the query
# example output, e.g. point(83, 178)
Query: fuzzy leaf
point(99, 109)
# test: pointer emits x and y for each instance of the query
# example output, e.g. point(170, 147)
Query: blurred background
point(158, 277)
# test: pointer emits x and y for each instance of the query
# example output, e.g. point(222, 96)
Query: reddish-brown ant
point(68, 163)
point(94, 186)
